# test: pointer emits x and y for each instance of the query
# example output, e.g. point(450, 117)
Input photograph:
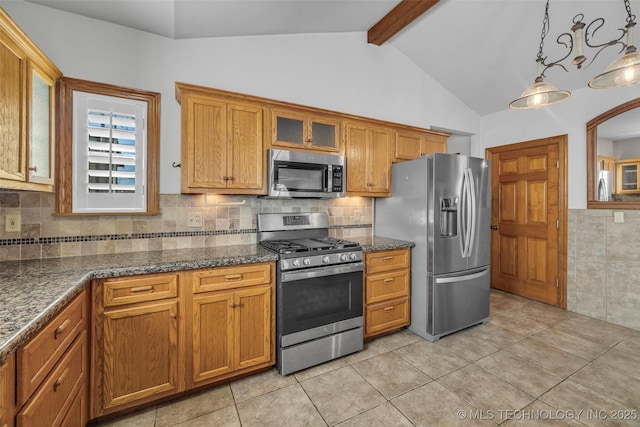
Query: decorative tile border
point(132, 236)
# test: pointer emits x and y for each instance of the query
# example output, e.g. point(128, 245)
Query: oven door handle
point(322, 272)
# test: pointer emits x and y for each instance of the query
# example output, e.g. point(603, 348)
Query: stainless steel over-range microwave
point(303, 174)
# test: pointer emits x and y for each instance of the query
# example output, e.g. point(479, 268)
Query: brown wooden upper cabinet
point(628, 176)
point(410, 144)
point(222, 143)
point(26, 111)
point(368, 160)
point(302, 130)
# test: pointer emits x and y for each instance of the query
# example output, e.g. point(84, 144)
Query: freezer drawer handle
point(462, 278)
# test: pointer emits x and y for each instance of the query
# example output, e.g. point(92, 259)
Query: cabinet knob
point(494, 227)
point(60, 329)
point(60, 379)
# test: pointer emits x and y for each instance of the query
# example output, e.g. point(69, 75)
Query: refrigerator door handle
point(462, 278)
point(468, 214)
point(474, 213)
point(462, 217)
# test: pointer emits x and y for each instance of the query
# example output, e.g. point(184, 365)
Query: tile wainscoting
point(603, 273)
point(227, 220)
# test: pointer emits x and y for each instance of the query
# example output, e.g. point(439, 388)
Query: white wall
point(337, 71)
point(569, 117)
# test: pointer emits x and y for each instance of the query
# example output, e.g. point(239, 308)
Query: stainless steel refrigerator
point(442, 202)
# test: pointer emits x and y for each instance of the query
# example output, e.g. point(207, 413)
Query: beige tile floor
point(532, 364)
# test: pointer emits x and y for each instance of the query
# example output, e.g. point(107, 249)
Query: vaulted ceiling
point(482, 51)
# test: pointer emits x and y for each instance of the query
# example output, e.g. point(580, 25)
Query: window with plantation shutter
point(109, 154)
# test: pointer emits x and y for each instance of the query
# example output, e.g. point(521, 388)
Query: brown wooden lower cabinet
point(387, 290)
point(52, 371)
point(232, 331)
point(8, 392)
point(195, 328)
point(51, 403)
point(137, 352)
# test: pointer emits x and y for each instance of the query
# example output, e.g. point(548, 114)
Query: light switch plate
point(12, 223)
point(618, 217)
point(194, 220)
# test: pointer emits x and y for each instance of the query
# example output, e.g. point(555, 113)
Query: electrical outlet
point(12, 223)
point(194, 220)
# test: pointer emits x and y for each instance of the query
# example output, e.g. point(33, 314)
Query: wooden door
point(379, 164)
point(245, 131)
point(253, 326)
point(140, 353)
point(528, 245)
point(212, 335)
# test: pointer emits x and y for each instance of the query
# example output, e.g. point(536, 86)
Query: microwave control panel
point(336, 179)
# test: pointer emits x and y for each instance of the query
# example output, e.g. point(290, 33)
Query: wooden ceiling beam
point(400, 16)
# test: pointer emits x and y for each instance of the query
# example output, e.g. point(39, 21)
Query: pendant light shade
point(540, 94)
point(624, 71)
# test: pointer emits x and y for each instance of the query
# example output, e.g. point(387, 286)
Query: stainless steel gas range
point(319, 295)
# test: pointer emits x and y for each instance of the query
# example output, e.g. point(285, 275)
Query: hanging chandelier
point(624, 71)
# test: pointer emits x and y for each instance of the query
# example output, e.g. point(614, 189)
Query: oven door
point(318, 302)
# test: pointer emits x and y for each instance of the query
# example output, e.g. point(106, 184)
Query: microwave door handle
point(329, 181)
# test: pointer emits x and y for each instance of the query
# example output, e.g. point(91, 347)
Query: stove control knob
point(296, 263)
point(344, 257)
point(352, 256)
point(306, 261)
point(325, 259)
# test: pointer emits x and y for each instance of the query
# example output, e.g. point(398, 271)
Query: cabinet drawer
point(52, 400)
point(386, 286)
point(377, 262)
point(38, 356)
point(221, 278)
point(129, 290)
point(387, 316)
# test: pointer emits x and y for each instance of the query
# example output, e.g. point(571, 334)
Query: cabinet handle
point(231, 277)
point(369, 185)
point(139, 289)
point(388, 309)
point(60, 329)
point(225, 178)
point(387, 258)
point(387, 281)
point(33, 168)
point(58, 382)
point(231, 178)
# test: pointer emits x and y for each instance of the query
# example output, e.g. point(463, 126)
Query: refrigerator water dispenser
point(448, 216)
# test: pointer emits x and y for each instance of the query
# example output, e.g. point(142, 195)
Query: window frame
point(65, 87)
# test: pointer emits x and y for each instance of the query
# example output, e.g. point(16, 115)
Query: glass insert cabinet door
point(628, 177)
point(40, 127)
point(301, 131)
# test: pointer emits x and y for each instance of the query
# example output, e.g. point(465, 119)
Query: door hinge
point(557, 164)
point(557, 223)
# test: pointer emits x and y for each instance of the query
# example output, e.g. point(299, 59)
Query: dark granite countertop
point(33, 292)
point(379, 243)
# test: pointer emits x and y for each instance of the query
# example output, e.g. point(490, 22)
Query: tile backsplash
point(226, 220)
